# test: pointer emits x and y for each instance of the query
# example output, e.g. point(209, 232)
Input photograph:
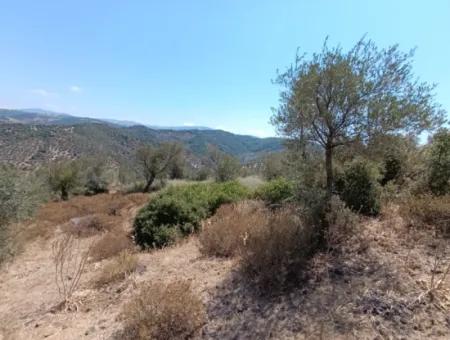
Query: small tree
point(63, 177)
point(338, 98)
point(94, 178)
point(155, 162)
point(439, 163)
point(273, 166)
point(226, 167)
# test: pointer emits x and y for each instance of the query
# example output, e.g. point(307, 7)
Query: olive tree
point(336, 98)
point(225, 166)
point(63, 176)
point(155, 161)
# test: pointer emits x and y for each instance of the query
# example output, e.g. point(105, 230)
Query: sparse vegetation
point(227, 231)
point(179, 210)
point(278, 248)
point(69, 260)
point(121, 266)
point(163, 311)
point(110, 244)
point(427, 212)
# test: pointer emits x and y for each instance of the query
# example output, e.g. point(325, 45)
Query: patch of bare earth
point(373, 288)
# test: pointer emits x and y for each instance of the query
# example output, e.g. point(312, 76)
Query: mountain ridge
point(26, 141)
point(47, 117)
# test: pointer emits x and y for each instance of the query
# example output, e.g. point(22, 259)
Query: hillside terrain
point(373, 290)
point(30, 139)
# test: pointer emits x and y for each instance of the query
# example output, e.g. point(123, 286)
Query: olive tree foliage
point(20, 194)
point(63, 177)
point(224, 166)
point(95, 177)
point(155, 161)
point(336, 98)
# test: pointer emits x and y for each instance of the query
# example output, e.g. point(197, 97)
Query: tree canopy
point(335, 98)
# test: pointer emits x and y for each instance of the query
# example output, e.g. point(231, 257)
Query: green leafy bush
point(179, 210)
point(439, 163)
point(20, 194)
point(275, 191)
point(358, 187)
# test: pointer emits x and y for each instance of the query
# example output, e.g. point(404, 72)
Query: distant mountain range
point(32, 136)
point(45, 117)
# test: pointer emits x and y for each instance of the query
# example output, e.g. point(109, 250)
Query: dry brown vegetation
point(277, 251)
point(226, 232)
point(427, 212)
point(110, 244)
point(70, 261)
point(121, 266)
point(163, 311)
point(108, 204)
point(379, 278)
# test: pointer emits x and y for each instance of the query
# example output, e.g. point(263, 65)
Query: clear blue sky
point(203, 62)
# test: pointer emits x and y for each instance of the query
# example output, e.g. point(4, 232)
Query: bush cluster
point(178, 211)
point(358, 187)
point(276, 191)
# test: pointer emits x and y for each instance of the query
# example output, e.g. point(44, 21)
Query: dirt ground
point(374, 288)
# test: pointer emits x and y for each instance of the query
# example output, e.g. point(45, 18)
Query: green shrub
point(275, 191)
point(392, 168)
point(439, 163)
point(179, 210)
point(20, 195)
point(358, 187)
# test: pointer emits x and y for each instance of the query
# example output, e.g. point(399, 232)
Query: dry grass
point(277, 251)
point(163, 312)
point(342, 223)
point(225, 233)
point(118, 269)
point(86, 226)
point(111, 244)
point(427, 211)
point(107, 204)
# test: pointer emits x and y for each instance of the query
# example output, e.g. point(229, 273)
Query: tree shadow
point(343, 296)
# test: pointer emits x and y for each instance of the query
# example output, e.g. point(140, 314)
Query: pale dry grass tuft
point(163, 311)
point(226, 232)
point(118, 269)
point(111, 244)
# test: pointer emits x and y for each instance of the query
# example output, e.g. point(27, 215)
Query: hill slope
point(26, 145)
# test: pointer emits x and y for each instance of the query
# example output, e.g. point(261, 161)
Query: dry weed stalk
point(436, 282)
point(69, 261)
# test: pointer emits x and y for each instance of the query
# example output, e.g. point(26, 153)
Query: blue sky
point(203, 62)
